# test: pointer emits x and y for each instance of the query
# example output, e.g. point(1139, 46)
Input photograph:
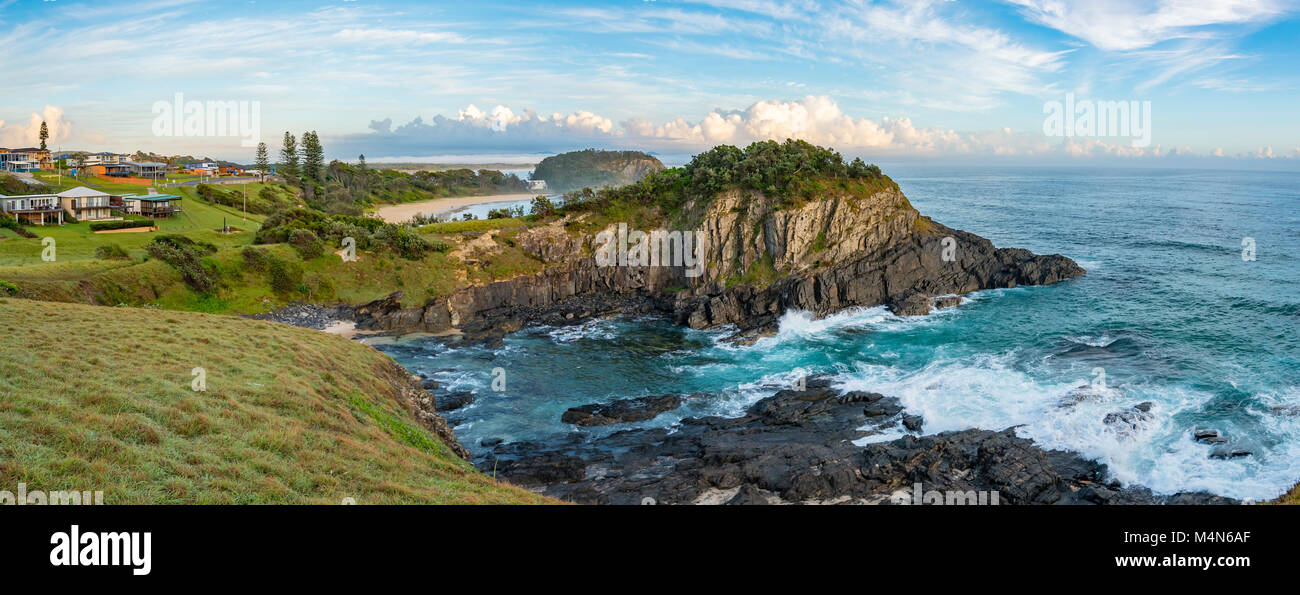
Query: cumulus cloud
point(29, 134)
point(816, 119)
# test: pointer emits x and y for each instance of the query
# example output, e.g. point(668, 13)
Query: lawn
point(197, 219)
point(100, 398)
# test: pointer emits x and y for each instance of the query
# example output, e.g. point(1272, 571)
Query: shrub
point(285, 276)
point(307, 243)
point(186, 256)
point(111, 252)
point(7, 288)
point(255, 258)
point(542, 207)
point(123, 224)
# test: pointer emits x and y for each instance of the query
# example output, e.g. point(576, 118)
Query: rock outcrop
point(795, 447)
point(621, 411)
point(759, 259)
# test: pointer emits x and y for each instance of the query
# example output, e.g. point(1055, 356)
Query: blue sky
point(890, 81)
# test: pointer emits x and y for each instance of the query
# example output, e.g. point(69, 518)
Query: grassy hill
point(99, 398)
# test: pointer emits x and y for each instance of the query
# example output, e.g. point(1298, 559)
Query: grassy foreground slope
point(99, 398)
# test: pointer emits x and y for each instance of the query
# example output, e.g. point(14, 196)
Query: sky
point(1210, 83)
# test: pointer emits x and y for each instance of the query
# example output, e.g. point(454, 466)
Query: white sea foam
point(986, 392)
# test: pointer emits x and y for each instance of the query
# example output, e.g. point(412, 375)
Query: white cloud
point(28, 135)
point(1136, 24)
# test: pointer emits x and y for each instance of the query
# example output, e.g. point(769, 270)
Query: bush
point(542, 207)
point(111, 252)
point(285, 276)
point(123, 224)
point(7, 288)
point(256, 259)
point(186, 256)
point(307, 243)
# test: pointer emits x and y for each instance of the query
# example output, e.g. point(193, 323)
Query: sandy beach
point(404, 212)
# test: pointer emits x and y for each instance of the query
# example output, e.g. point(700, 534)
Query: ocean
point(1170, 312)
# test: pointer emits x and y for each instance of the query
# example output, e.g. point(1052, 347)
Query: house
point(108, 169)
point(33, 209)
point(39, 158)
point(85, 204)
point(147, 169)
point(151, 205)
point(20, 160)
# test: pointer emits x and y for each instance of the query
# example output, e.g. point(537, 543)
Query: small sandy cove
point(404, 212)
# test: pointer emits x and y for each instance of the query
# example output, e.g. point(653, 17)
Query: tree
point(289, 158)
point(262, 164)
point(361, 162)
point(313, 157)
point(45, 133)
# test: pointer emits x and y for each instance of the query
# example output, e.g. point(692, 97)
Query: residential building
point(33, 209)
point(18, 160)
point(147, 169)
point(151, 205)
point(85, 204)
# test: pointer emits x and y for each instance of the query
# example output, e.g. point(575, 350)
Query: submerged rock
point(621, 411)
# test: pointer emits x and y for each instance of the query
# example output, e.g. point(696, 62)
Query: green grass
point(100, 398)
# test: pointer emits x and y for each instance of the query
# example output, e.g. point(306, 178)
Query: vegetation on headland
point(288, 415)
point(788, 173)
point(302, 244)
point(591, 168)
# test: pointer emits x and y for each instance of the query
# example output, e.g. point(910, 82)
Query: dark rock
point(429, 384)
point(910, 304)
point(913, 422)
point(795, 447)
point(947, 302)
point(1127, 421)
point(1228, 452)
point(1209, 436)
point(454, 401)
point(621, 411)
point(884, 407)
point(489, 442)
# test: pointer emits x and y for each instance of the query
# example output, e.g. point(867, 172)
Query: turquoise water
point(1168, 310)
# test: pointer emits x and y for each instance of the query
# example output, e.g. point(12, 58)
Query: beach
point(405, 212)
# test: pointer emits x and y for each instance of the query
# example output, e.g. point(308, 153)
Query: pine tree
point(289, 159)
point(262, 164)
point(313, 157)
point(45, 133)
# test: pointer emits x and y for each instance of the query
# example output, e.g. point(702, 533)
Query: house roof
point(151, 197)
point(81, 192)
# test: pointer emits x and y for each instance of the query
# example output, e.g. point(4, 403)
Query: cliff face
point(759, 259)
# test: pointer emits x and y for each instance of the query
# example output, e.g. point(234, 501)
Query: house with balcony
point(85, 204)
point(33, 209)
point(152, 170)
point(154, 206)
point(18, 160)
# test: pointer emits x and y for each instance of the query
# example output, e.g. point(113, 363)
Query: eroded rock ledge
point(795, 447)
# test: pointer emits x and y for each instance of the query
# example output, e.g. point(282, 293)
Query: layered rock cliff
point(759, 257)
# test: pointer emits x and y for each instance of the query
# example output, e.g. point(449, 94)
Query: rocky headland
point(854, 241)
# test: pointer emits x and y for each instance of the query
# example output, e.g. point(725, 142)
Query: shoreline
point(530, 465)
point(401, 213)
